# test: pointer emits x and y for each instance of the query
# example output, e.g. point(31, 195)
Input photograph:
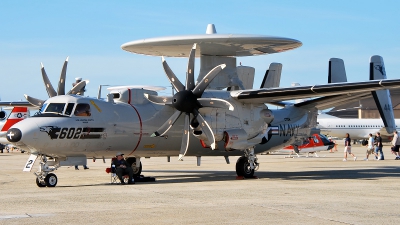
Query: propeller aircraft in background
point(314, 144)
point(16, 115)
point(220, 114)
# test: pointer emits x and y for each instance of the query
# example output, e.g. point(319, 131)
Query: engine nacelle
point(131, 95)
point(235, 139)
point(3, 115)
point(267, 115)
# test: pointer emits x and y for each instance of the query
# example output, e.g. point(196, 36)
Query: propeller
point(188, 100)
point(61, 86)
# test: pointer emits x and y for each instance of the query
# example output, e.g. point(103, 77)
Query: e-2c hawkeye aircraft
point(217, 115)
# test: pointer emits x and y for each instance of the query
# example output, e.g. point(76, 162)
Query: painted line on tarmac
point(3, 217)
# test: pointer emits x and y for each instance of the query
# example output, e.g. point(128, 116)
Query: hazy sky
point(91, 33)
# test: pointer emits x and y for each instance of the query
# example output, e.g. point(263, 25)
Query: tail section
point(16, 115)
point(382, 97)
point(272, 77)
point(337, 72)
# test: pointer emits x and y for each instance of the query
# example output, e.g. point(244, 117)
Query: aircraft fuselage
point(122, 127)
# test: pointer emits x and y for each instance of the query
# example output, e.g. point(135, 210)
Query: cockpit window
point(82, 109)
point(43, 107)
point(55, 108)
point(68, 111)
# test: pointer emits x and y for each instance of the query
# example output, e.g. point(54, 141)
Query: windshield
point(55, 108)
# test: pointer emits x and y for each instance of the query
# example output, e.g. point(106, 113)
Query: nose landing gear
point(44, 177)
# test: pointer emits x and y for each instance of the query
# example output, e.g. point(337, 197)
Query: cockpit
point(66, 109)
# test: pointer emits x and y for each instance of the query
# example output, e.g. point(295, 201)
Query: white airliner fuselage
point(357, 128)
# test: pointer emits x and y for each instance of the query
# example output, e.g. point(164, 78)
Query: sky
point(91, 34)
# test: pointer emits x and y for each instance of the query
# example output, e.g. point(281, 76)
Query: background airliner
point(357, 128)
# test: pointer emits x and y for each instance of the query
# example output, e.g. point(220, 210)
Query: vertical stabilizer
point(382, 97)
point(337, 72)
point(17, 114)
point(272, 77)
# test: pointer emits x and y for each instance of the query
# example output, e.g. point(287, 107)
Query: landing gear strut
point(247, 164)
point(44, 177)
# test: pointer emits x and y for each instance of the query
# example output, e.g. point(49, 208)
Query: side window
point(68, 111)
point(82, 109)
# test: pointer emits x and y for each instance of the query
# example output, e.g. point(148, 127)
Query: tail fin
point(272, 77)
point(337, 72)
point(16, 115)
point(382, 97)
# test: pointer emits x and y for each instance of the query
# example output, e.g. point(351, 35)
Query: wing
point(21, 103)
point(299, 92)
point(332, 101)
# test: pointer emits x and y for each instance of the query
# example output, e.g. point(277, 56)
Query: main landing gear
point(247, 164)
point(44, 177)
point(136, 166)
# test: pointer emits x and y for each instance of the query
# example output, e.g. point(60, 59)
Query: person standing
point(396, 145)
point(370, 147)
point(378, 144)
point(347, 148)
point(84, 167)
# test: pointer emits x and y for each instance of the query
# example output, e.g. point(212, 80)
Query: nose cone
point(14, 135)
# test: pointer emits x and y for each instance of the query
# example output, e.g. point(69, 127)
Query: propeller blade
point(171, 76)
point(160, 100)
point(34, 101)
point(61, 82)
point(49, 88)
point(185, 138)
point(203, 84)
point(215, 103)
point(206, 128)
point(167, 125)
point(77, 87)
point(190, 69)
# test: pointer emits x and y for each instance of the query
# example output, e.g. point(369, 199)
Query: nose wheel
point(40, 183)
point(51, 180)
point(44, 177)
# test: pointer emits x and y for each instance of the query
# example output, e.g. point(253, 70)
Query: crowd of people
point(374, 147)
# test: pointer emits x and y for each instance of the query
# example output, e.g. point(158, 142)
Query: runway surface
point(303, 190)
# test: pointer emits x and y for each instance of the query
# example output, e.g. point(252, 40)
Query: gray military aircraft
point(218, 115)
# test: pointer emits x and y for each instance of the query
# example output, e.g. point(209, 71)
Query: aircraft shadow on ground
point(198, 176)
point(207, 176)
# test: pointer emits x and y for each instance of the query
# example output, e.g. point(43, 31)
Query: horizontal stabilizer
point(272, 77)
point(382, 97)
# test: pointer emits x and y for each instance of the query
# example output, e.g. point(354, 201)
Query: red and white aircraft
point(17, 114)
point(314, 144)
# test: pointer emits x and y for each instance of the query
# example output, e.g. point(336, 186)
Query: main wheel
point(51, 180)
point(243, 168)
point(39, 184)
point(136, 170)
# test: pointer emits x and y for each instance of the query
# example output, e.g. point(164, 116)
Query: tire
point(39, 184)
point(136, 170)
point(51, 180)
point(243, 168)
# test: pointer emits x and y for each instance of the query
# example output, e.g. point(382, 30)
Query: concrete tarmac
point(322, 190)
